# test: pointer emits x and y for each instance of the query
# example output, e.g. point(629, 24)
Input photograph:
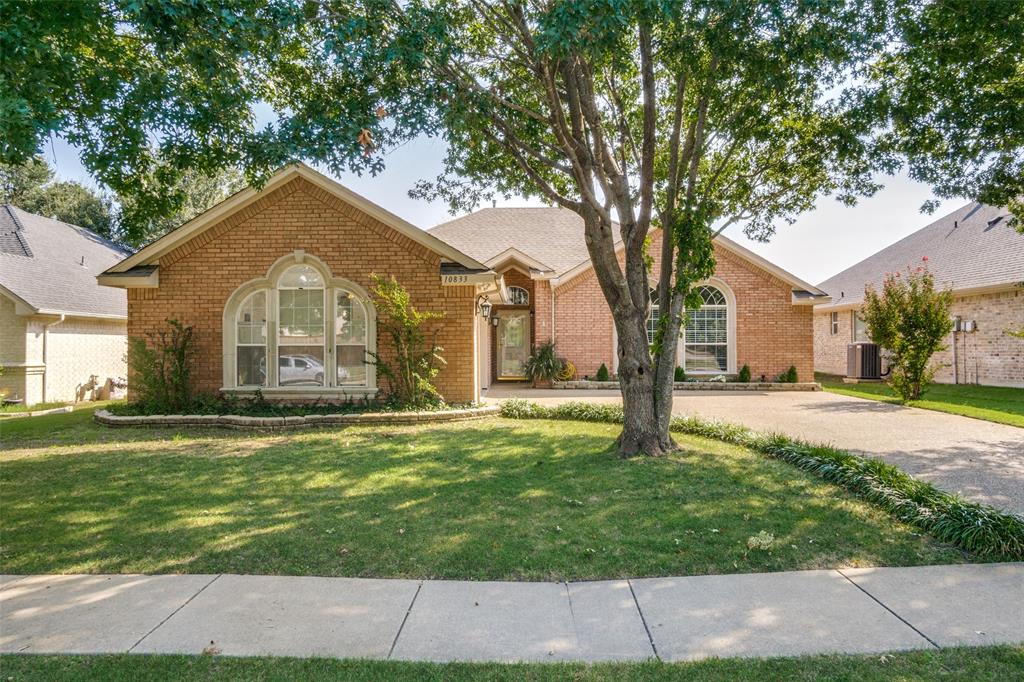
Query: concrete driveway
point(980, 460)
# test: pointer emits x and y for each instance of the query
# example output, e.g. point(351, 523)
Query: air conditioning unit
point(863, 361)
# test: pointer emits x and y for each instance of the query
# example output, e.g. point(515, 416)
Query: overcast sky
point(821, 243)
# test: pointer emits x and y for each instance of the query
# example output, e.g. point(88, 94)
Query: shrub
point(161, 364)
point(602, 373)
point(910, 319)
point(789, 376)
point(680, 374)
point(411, 374)
point(543, 364)
point(977, 528)
point(744, 375)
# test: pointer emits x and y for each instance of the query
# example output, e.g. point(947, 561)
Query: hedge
point(977, 528)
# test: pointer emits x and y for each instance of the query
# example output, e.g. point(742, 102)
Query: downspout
point(552, 289)
point(956, 368)
point(46, 344)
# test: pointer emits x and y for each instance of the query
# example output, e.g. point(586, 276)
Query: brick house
point(275, 283)
point(974, 252)
point(63, 337)
point(754, 312)
point(265, 276)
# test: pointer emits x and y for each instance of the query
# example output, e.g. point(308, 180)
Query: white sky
point(821, 243)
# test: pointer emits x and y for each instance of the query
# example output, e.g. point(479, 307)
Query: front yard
point(992, 403)
point(494, 499)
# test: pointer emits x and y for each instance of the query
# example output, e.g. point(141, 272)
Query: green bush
point(679, 375)
point(910, 319)
point(789, 376)
point(602, 373)
point(973, 527)
point(543, 364)
point(161, 366)
point(744, 375)
point(411, 374)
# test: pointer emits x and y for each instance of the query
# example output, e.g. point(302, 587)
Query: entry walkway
point(980, 460)
point(768, 614)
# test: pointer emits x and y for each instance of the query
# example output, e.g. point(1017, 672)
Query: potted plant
point(543, 367)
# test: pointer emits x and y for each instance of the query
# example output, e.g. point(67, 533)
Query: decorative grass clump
point(977, 528)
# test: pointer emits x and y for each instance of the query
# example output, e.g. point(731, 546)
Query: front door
point(513, 343)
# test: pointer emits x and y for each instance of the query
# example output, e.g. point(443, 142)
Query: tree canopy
point(31, 187)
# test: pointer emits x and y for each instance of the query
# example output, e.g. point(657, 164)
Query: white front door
point(513, 343)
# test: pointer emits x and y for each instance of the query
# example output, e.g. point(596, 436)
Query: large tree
point(688, 115)
point(952, 89)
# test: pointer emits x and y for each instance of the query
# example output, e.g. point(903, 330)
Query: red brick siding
point(771, 333)
point(197, 278)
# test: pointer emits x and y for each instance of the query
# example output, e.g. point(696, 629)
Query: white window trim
point(730, 322)
point(269, 282)
point(833, 321)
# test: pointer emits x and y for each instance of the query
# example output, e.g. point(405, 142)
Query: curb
point(235, 421)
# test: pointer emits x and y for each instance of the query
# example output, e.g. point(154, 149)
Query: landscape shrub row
point(977, 528)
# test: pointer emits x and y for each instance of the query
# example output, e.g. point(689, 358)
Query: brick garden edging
point(235, 421)
point(697, 386)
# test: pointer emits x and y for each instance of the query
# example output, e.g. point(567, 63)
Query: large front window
point(300, 329)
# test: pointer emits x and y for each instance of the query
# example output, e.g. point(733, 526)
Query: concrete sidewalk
point(768, 614)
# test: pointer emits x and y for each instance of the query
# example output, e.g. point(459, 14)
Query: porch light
point(485, 308)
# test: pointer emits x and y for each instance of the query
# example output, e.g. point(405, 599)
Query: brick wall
point(197, 278)
point(771, 333)
point(987, 356)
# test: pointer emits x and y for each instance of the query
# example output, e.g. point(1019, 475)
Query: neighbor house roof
point(50, 267)
point(553, 237)
point(138, 266)
point(971, 249)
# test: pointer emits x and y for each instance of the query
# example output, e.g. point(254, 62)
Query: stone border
point(37, 413)
point(235, 421)
point(695, 386)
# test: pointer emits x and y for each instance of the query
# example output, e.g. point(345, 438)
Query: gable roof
point(151, 253)
point(972, 248)
point(50, 267)
point(555, 236)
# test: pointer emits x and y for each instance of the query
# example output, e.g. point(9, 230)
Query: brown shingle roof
point(971, 248)
point(553, 236)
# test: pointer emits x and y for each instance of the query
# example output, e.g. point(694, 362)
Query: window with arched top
point(706, 337)
point(707, 340)
point(300, 329)
point(518, 296)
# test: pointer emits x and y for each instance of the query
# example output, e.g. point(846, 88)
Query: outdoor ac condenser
point(863, 361)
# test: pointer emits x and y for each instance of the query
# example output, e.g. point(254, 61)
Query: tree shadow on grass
point(482, 500)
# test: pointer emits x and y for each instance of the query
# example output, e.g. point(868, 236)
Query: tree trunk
point(641, 433)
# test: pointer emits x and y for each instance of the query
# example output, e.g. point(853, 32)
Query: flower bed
point(237, 421)
point(697, 386)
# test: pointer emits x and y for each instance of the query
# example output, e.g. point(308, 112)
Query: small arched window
point(251, 338)
point(518, 296)
point(706, 338)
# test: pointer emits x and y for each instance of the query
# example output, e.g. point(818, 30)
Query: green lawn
point(983, 664)
point(493, 499)
point(991, 403)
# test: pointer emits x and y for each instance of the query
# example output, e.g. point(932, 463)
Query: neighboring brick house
point(275, 283)
point(755, 313)
point(974, 252)
point(62, 336)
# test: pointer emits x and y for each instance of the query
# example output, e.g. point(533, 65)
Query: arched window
point(706, 338)
point(301, 356)
point(300, 329)
point(518, 296)
point(652, 317)
point(251, 336)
